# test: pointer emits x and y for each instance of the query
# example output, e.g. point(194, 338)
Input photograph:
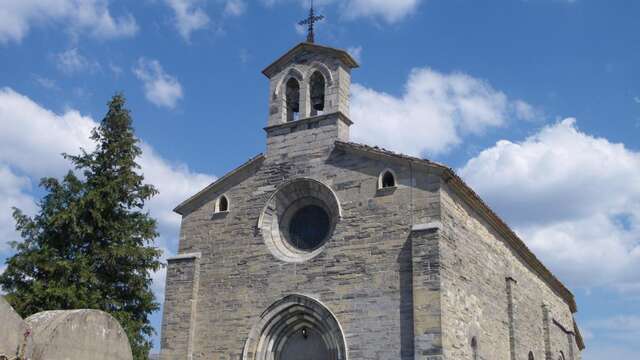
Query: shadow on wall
point(61, 334)
point(421, 336)
point(406, 302)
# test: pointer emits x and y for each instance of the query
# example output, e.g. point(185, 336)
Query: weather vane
point(312, 19)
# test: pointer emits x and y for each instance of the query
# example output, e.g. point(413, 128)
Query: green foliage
point(90, 244)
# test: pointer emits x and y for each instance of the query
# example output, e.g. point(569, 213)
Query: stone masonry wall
point(364, 275)
point(293, 139)
point(476, 263)
point(426, 305)
point(180, 305)
point(13, 329)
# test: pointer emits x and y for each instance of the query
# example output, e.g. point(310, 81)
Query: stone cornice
point(195, 255)
point(338, 115)
point(344, 56)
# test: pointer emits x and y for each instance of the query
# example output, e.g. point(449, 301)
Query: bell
point(318, 103)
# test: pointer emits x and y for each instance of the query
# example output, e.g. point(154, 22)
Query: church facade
point(324, 249)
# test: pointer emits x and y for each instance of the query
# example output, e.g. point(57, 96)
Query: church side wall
point(364, 276)
point(480, 274)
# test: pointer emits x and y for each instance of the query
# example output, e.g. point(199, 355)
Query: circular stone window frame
point(283, 204)
point(282, 319)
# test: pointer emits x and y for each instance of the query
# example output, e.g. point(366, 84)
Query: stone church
point(325, 249)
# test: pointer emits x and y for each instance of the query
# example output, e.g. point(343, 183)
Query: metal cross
point(312, 19)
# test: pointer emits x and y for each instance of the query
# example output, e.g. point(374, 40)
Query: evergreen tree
point(90, 244)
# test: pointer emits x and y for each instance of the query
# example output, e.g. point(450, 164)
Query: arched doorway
point(296, 328)
point(304, 344)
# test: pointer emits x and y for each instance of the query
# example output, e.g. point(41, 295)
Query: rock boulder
point(77, 335)
point(12, 336)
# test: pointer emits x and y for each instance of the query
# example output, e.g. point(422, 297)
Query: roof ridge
point(178, 209)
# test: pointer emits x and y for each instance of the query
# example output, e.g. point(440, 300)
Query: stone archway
point(296, 328)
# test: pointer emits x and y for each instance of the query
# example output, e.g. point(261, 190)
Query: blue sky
point(536, 104)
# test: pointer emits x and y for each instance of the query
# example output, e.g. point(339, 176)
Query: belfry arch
point(317, 86)
point(294, 327)
point(290, 93)
point(292, 99)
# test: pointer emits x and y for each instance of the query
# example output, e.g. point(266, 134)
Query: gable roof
point(192, 202)
point(344, 56)
point(472, 199)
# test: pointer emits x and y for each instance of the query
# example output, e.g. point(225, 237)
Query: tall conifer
point(90, 244)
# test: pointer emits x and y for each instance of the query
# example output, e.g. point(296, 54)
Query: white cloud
point(235, 7)
point(356, 52)
point(45, 82)
point(572, 197)
point(13, 193)
point(160, 88)
point(115, 69)
point(244, 56)
point(189, 16)
point(390, 11)
point(525, 111)
point(71, 61)
point(300, 29)
point(159, 277)
point(175, 182)
point(432, 115)
point(596, 352)
point(32, 137)
point(614, 337)
point(30, 145)
point(627, 325)
point(90, 17)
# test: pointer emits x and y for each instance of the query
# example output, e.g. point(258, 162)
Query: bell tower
point(308, 100)
point(309, 80)
point(308, 97)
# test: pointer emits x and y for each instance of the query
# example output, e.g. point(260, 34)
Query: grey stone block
point(12, 336)
point(77, 335)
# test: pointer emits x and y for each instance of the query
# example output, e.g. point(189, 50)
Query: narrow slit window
point(317, 83)
point(223, 204)
point(292, 97)
point(531, 357)
point(387, 180)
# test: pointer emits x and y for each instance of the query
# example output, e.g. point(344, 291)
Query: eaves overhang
point(343, 55)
